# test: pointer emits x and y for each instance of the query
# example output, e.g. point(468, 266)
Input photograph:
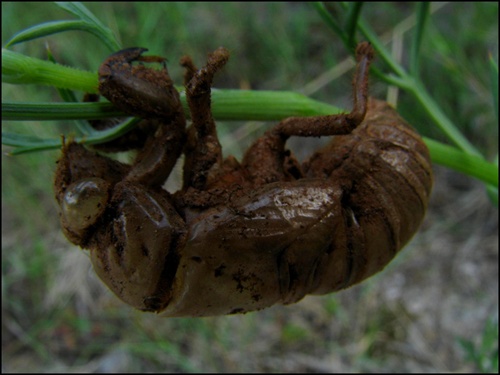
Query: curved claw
point(136, 89)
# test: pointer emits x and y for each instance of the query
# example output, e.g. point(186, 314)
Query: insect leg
point(203, 150)
point(187, 63)
point(336, 124)
point(149, 94)
point(157, 158)
point(264, 160)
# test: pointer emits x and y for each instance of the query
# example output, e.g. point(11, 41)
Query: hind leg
point(265, 159)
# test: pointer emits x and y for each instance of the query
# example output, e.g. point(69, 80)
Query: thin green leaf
point(422, 16)
point(107, 135)
point(69, 97)
point(352, 23)
point(95, 26)
point(442, 120)
point(45, 29)
point(330, 20)
point(57, 111)
point(24, 144)
point(471, 165)
point(79, 10)
point(87, 22)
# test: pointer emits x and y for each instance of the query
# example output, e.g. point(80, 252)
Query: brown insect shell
point(365, 198)
point(249, 254)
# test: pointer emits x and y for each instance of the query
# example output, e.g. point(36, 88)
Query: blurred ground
point(439, 297)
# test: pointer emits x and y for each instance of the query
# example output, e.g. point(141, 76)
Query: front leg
point(150, 94)
point(120, 213)
point(137, 253)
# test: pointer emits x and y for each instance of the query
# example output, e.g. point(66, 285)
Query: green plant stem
point(247, 105)
point(352, 22)
point(471, 165)
point(330, 21)
point(235, 105)
point(20, 69)
point(422, 16)
point(58, 111)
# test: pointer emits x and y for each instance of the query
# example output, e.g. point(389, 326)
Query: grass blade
point(25, 143)
point(422, 16)
point(458, 160)
point(329, 20)
point(352, 23)
point(45, 29)
point(87, 22)
point(57, 111)
point(94, 26)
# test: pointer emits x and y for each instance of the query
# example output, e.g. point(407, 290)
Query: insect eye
point(84, 202)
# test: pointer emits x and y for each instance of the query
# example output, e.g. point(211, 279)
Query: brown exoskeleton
point(240, 236)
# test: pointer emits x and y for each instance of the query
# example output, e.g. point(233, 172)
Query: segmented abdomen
point(384, 171)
